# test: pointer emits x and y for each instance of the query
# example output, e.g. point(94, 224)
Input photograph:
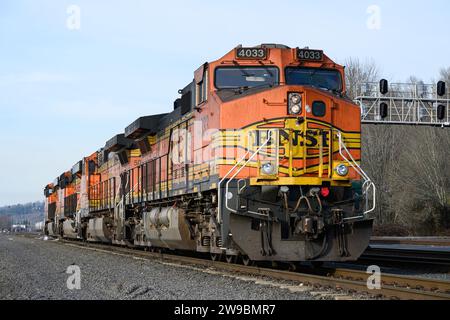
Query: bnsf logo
point(298, 138)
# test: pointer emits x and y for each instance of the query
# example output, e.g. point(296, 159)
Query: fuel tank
point(167, 228)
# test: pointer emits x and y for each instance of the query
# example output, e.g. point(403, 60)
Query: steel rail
point(422, 256)
point(415, 241)
point(393, 286)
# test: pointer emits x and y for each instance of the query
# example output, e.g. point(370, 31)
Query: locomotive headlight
point(295, 109)
point(295, 98)
point(342, 170)
point(295, 103)
point(268, 168)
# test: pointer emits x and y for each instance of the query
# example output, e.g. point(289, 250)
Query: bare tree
point(445, 75)
point(420, 87)
point(409, 165)
point(424, 181)
point(357, 73)
point(381, 144)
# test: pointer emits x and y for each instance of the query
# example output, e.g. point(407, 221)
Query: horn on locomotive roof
point(268, 45)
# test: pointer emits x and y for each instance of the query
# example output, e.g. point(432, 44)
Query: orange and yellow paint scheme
point(267, 146)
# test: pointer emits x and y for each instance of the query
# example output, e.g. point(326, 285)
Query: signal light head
point(384, 86)
point(441, 88)
point(441, 112)
point(384, 110)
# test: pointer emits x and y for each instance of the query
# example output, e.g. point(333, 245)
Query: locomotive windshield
point(246, 77)
point(320, 78)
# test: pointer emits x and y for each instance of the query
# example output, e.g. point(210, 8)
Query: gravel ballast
point(31, 268)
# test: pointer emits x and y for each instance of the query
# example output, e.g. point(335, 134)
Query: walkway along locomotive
point(259, 159)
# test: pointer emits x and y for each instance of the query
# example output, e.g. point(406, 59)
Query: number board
point(309, 55)
point(251, 53)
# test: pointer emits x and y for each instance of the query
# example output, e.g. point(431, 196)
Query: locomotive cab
point(289, 161)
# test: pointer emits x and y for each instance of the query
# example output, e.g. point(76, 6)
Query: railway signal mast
point(405, 104)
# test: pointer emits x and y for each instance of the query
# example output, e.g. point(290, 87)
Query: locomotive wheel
point(317, 264)
point(247, 262)
point(231, 259)
point(215, 257)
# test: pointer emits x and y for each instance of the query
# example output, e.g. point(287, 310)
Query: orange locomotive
point(259, 159)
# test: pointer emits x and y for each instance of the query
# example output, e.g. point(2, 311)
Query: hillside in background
point(27, 214)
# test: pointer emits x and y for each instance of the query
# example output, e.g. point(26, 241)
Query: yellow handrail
point(320, 154)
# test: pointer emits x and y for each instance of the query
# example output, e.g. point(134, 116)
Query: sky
point(75, 73)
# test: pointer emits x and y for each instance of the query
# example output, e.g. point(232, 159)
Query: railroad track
point(393, 286)
point(421, 255)
point(415, 241)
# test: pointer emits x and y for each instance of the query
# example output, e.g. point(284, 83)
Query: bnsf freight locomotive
point(259, 160)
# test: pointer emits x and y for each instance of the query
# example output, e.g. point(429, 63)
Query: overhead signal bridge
point(406, 104)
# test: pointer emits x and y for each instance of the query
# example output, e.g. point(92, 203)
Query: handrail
point(129, 194)
point(238, 171)
point(101, 195)
point(219, 213)
point(368, 183)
